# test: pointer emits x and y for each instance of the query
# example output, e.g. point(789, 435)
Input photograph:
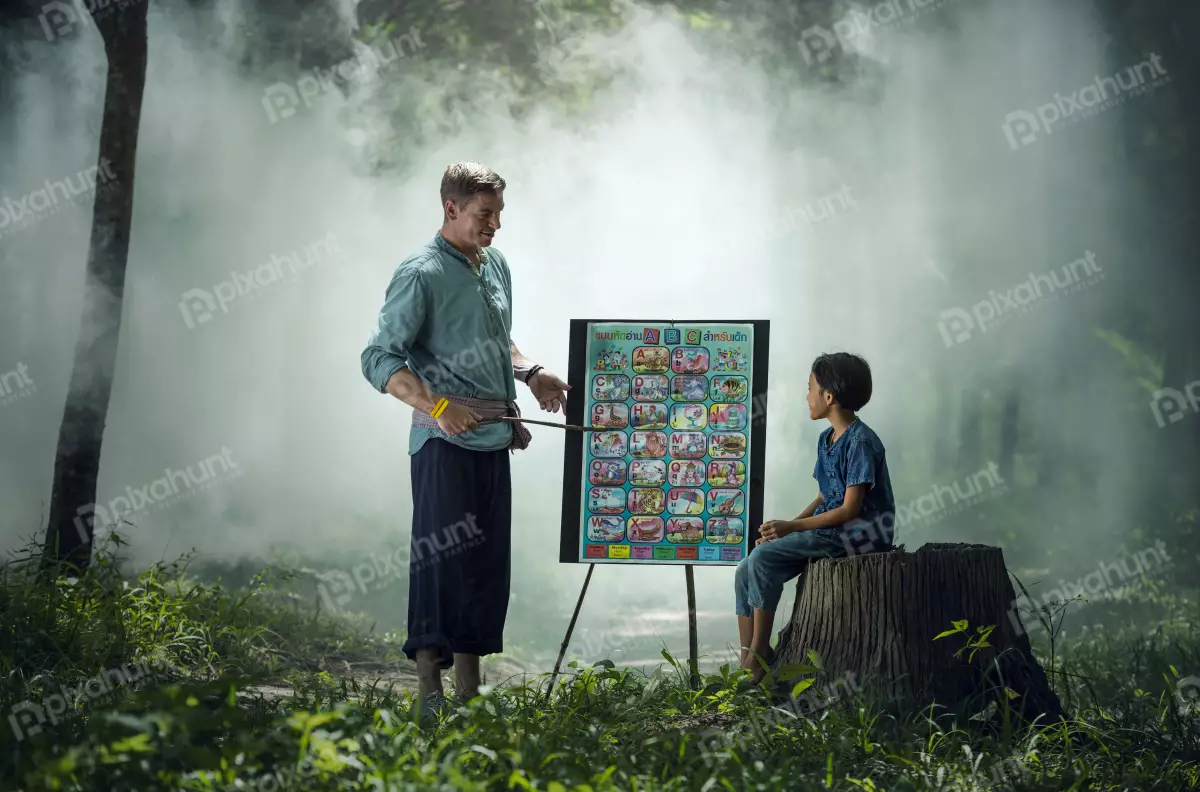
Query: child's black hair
point(846, 376)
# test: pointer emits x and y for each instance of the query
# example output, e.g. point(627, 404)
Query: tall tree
point(73, 514)
point(1009, 423)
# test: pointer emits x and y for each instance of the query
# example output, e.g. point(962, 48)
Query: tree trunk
point(73, 510)
point(1009, 422)
point(1182, 366)
point(871, 620)
point(943, 435)
point(970, 431)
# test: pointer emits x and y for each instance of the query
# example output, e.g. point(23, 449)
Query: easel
point(693, 637)
point(578, 373)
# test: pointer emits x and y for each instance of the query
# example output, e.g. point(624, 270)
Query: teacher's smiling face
point(477, 221)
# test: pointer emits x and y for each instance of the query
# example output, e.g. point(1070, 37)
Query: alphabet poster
point(671, 473)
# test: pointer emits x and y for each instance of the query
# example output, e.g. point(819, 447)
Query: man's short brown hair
point(464, 180)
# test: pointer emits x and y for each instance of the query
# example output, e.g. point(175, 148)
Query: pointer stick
point(510, 419)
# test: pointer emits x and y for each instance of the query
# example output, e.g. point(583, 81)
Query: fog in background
point(698, 186)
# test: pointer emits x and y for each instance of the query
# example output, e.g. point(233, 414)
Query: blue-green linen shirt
point(450, 327)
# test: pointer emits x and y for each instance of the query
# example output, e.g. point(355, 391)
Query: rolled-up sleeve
point(399, 323)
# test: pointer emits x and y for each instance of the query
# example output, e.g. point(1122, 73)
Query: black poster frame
point(577, 377)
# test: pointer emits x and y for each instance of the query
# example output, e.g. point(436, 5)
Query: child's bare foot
point(753, 661)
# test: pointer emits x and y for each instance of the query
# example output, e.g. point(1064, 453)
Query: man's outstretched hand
point(550, 391)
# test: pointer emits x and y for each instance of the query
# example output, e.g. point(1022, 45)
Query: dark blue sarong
point(459, 569)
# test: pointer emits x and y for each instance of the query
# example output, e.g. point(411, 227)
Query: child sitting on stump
point(854, 510)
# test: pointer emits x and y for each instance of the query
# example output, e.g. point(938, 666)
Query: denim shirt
point(858, 457)
point(450, 326)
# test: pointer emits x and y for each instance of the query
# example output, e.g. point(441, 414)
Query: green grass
point(195, 722)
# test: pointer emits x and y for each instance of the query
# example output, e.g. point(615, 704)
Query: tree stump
point(872, 619)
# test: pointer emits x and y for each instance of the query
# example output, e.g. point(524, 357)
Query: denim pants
point(761, 575)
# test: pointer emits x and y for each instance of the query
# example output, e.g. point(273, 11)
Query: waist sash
point(488, 410)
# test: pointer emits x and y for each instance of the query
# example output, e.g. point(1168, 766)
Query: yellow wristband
point(440, 407)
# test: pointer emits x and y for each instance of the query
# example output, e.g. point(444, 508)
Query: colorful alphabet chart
point(667, 473)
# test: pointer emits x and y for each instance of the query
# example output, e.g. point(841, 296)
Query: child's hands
point(774, 530)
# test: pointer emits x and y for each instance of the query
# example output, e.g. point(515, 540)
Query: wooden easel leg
point(693, 636)
point(562, 650)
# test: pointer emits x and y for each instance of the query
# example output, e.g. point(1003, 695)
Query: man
point(442, 346)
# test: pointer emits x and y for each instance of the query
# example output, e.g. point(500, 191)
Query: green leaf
point(488, 752)
point(803, 685)
point(814, 658)
point(789, 671)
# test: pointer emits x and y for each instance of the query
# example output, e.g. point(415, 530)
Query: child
point(854, 510)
